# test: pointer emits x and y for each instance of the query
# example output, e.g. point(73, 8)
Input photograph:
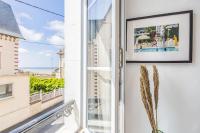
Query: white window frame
point(76, 82)
point(122, 32)
point(115, 69)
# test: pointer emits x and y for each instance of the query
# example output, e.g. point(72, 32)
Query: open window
point(102, 70)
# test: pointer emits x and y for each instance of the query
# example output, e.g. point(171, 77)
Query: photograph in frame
point(164, 38)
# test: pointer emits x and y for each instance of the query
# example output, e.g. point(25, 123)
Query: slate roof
point(98, 9)
point(8, 23)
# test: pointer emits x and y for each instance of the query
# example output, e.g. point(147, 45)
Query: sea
point(38, 70)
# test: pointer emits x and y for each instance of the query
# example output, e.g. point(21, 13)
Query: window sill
point(6, 98)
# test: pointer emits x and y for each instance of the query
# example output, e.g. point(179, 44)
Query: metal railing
point(64, 110)
point(43, 97)
point(35, 97)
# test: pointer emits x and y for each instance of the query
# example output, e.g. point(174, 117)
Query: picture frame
point(162, 38)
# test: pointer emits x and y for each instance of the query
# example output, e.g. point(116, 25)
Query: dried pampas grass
point(156, 91)
point(147, 97)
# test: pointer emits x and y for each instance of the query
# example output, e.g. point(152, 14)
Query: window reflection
point(99, 64)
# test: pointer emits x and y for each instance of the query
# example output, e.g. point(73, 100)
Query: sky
point(39, 26)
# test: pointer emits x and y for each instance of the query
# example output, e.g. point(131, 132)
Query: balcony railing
point(42, 122)
point(43, 97)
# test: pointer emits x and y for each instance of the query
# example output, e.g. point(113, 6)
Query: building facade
point(9, 40)
point(14, 88)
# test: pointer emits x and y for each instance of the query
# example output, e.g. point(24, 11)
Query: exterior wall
point(38, 107)
point(179, 83)
point(18, 100)
point(17, 108)
point(8, 55)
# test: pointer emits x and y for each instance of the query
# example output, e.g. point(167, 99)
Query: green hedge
point(45, 84)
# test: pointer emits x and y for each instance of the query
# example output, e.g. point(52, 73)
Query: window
point(5, 90)
point(99, 63)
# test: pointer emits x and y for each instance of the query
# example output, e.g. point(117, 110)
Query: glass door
point(102, 66)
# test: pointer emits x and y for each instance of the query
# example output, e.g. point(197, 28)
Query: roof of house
point(98, 9)
point(8, 23)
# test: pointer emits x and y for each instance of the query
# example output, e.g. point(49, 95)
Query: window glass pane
point(5, 90)
point(99, 66)
point(2, 90)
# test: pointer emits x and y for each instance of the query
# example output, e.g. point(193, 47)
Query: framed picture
point(163, 38)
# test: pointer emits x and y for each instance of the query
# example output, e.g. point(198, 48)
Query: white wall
point(179, 104)
point(12, 108)
point(17, 108)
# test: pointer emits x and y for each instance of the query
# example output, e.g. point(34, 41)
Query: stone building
point(9, 40)
point(14, 88)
